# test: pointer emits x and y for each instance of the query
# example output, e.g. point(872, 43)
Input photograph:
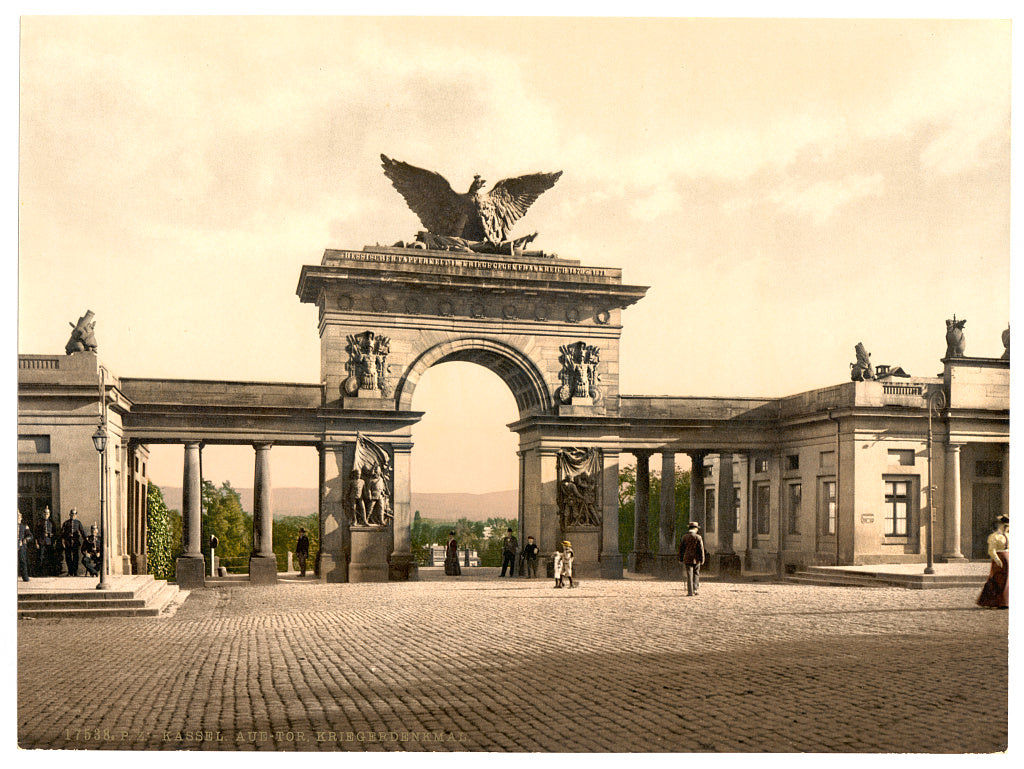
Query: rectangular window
point(793, 462)
point(736, 504)
point(901, 457)
point(794, 491)
point(828, 508)
point(762, 509)
point(827, 459)
point(709, 510)
point(708, 470)
point(760, 465)
point(897, 508)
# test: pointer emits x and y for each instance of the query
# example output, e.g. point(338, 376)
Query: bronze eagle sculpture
point(471, 218)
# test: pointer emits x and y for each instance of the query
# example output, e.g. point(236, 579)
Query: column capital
point(193, 444)
point(955, 446)
point(262, 445)
point(642, 453)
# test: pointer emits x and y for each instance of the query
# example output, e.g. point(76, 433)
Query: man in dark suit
point(72, 534)
point(691, 553)
point(92, 549)
point(46, 537)
point(24, 538)
point(302, 551)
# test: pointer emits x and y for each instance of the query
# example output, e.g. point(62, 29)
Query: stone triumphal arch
point(548, 327)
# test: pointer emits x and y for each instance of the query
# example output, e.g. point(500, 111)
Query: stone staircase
point(918, 580)
point(69, 597)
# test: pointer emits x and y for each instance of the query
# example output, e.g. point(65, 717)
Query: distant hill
point(291, 500)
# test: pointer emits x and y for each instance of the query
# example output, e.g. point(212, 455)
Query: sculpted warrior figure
point(83, 336)
point(955, 343)
point(367, 363)
point(375, 494)
point(354, 498)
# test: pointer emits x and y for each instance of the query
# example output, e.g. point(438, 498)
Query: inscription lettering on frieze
point(477, 264)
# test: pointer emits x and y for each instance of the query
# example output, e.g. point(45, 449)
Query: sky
point(787, 189)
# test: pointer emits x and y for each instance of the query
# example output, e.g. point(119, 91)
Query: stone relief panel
point(579, 473)
point(579, 375)
point(367, 365)
point(368, 494)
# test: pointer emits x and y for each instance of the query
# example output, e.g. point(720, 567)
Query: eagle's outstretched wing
point(440, 209)
point(508, 200)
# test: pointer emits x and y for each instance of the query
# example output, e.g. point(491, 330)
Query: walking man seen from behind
point(509, 546)
point(691, 553)
point(302, 551)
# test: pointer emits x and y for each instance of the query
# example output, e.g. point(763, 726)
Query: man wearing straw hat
point(691, 553)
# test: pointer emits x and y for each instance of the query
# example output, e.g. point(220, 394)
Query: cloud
point(821, 199)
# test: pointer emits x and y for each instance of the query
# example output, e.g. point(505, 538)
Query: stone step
point(146, 597)
point(844, 577)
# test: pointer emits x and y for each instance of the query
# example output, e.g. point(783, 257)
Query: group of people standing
point(528, 558)
point(51, 543)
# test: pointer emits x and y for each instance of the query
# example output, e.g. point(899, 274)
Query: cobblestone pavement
point(485, 664)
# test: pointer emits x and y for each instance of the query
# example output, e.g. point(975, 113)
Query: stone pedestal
point(369, 560)
point(586, 547)
point(668, 567)
point(190, 572)
point(262, 570)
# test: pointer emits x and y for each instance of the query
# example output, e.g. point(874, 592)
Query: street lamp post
point(99, 440)
point(936, 400)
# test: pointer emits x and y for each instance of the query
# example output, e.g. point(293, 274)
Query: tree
point(224, 517)
point(163, 538)
point(627, 507)
point(286, 534)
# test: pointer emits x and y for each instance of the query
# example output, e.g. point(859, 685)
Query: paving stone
point(490, 665)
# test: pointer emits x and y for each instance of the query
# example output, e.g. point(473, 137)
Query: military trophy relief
point(579, 377)
point(368, 382)
point(368, 494)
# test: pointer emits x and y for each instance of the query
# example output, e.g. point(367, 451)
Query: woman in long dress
point(451, 557)
point(996, 592)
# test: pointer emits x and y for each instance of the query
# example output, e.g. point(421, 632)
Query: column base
point(139, 564)
point(190, 572)
point(727, 564)
point(403, 568)
point(954, 558)
point(332, 568)
point(668, 566)
point(641, 563)
point(262, 570)
point(611, 566)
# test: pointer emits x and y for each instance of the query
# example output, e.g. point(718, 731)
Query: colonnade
point(665, 562)
point(190, 567)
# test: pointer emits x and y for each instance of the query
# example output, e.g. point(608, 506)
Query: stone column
point(697, 513)
point(190, 568)
point(611, 557)
point(951, 505)
point(335, 541)
point(262, 562)
point(667, 565)
point(640, 560)
point(728, 561)
point(403, 566)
